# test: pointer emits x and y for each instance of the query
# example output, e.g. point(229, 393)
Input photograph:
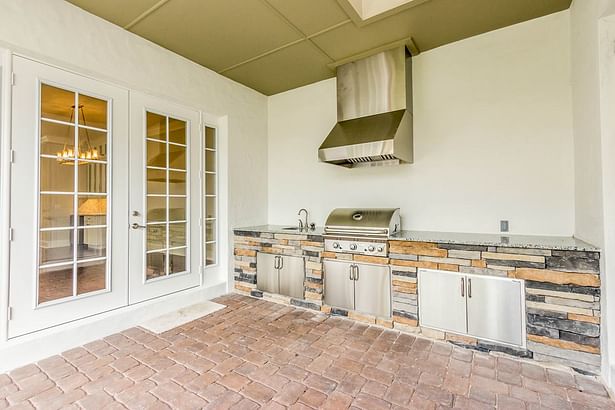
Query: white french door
point(69, 213)
point(164, 198)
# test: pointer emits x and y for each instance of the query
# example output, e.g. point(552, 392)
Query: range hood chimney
point(374, 112)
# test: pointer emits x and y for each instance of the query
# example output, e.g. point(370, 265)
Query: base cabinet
point(284, 275)
point(484, 307)
point(362, 287)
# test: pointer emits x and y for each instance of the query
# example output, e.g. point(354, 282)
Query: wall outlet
point(503, 226)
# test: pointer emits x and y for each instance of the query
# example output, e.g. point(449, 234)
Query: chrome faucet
point(303, 225)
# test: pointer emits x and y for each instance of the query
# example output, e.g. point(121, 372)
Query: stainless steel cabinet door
point(292, 276)
point(339, 285)
point(442, 300)
point(266, 272)
point(373, 289)
point(495, 309)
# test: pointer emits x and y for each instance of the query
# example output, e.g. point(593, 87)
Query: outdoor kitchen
point(540, 294)
point(307, 204)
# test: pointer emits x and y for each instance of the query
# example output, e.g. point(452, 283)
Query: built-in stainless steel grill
point(364, 222)
point(356, 274)
point(361, 231)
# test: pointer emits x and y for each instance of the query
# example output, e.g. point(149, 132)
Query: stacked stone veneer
point(562, 289)
point(562, 294)
point(311, 247)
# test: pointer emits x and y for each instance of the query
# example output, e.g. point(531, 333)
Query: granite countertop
point(280, 229)
point(565, 243)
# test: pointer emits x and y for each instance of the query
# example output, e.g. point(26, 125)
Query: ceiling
point(276, 45)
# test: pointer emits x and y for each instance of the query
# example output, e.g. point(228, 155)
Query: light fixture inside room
point(67, 155)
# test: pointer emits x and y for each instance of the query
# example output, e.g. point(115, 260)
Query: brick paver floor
point(260, 354)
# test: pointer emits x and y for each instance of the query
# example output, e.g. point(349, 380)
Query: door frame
point(6, 67)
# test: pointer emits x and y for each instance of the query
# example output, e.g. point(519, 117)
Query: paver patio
point(260, 354)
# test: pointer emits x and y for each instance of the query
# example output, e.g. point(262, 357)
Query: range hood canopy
point(374, 112)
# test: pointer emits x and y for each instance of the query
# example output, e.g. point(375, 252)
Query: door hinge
point(11, 235)
point(12, 77)
point(9, 313)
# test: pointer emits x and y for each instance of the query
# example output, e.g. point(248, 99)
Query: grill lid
point(363, 221)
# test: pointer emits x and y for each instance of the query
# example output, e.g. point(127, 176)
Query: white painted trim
point(36, 346)
point(5, 193)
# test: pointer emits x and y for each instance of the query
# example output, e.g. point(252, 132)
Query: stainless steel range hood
point(374, 112)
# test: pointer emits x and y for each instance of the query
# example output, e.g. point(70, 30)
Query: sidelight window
point(210, 188)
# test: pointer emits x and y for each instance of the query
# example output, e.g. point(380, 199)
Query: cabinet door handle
point(281, 263)
point(356, 272)
point(469, 287)
point(463, 287)
point(276, 262)
point(350, 272)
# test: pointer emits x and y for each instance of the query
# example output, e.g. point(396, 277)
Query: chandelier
point(67, 155)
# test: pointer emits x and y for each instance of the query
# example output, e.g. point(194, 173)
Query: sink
point(291, 228)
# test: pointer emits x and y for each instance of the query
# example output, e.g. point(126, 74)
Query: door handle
point(350, 271)
point(469, 287)
point(276, 262)
point(356, 272)
point(281, 262)
point(462, 287)
point(137, 226)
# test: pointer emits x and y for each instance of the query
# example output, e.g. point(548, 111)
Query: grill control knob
point(336, 245)
point(380, 249)
point(353, 246)
point(371, 248)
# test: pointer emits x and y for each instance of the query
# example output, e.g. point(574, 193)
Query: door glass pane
point(56, 211)
point(156, 154)
point(61, 206)
point(92, 210)
point(56, 177)
point(210, 138)
point(166, 195)
point(91, 276)
point(177, 183)
point(210, 253)
point(177, 260)
point(177, 235)
point(177, 131)
point(57, 104)
point(92, 243)
point(156, 181)
point(156, 209)
point(56, 246)
point(92, 144)
point(210, 184)
point(155, 265)
point(177, 157)
point(210, 207)
point(177, 209)
point(92, 112)
point(156, 126)
point(156, 237)
point(92, 177)
point(210, 230)
point(55, 283)
point(57, 139)
point(210, 161)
